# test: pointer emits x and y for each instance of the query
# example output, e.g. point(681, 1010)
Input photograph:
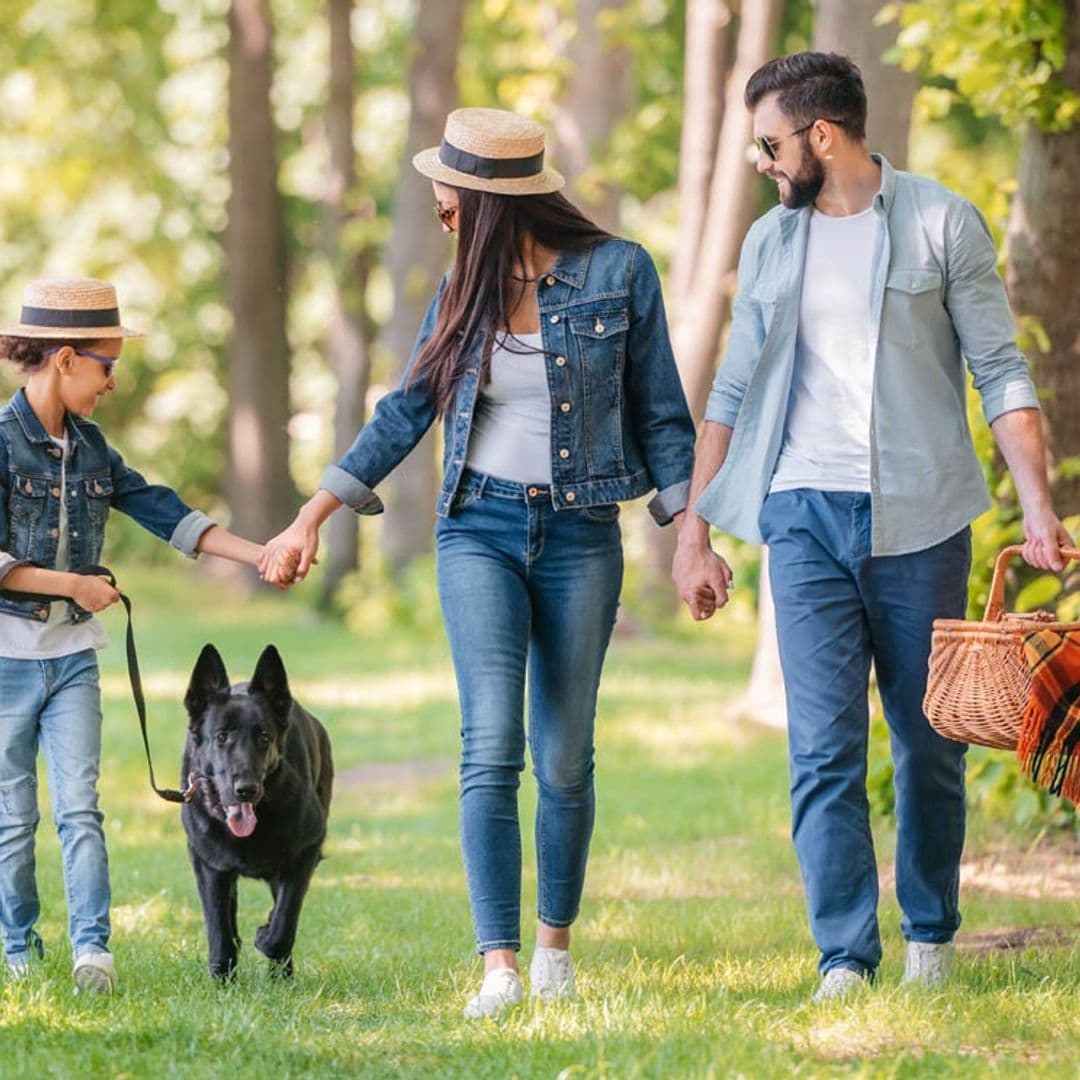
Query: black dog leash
point(168, 794)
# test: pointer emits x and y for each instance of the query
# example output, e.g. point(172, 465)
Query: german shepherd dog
point(259, 771)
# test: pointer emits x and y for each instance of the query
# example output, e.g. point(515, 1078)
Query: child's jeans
point(57, 703)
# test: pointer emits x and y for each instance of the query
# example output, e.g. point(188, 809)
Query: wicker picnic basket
point(979, 682)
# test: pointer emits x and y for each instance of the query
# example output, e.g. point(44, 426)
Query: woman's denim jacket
point(97, 478)
point(620, 426)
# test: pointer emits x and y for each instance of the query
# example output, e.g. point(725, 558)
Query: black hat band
point(56, 318)
point(490, 168)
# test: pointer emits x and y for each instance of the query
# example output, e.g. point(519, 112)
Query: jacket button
point(564, 453)
point(42, 613)
point(549, 280)
point(565, 406)
point(570, 496)
point(554, 318)
point(55, 451)
point(54, 533)
point(54, 492)
point(560, 361)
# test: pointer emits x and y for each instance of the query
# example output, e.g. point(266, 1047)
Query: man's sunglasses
point(107, 362)
point(768, 146)
point(445, 214)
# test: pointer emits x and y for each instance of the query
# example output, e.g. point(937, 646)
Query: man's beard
point(805, 186)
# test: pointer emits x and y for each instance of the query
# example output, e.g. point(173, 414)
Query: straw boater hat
point(69, 309)
point(490, 150)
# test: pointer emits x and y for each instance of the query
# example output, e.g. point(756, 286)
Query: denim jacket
point(936, 299)
point(620, 426)
point(97, 478)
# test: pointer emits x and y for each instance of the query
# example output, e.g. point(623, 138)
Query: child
point(58, 479)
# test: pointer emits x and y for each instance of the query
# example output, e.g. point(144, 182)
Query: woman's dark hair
point(29, 354)
point(811, 86)
point(491, 235)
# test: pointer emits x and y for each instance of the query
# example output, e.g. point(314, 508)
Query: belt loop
point(483, 484)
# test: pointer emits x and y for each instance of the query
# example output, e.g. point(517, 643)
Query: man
point(836, 434)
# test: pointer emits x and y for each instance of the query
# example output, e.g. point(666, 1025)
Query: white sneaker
point(929, 964)
point(838, 982)
point(551, 974)
point(500, 990)
point(95, 973)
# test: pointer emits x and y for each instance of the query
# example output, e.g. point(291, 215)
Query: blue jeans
point(525, 586)
point(56, 703)
point(838, 608)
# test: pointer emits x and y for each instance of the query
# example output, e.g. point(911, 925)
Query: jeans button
point(570, 496)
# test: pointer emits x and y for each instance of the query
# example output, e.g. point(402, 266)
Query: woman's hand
point(93, 593)
point(287, 558)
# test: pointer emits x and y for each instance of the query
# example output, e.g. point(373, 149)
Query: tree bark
point(418, 253)
point(261, 494)
point(348, 338)
point(846, 26)
point(1043, 239)
point(596, 99)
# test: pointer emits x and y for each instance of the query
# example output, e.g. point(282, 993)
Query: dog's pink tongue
point(240, 817)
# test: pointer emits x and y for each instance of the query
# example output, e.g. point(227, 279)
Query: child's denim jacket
point(96, 479)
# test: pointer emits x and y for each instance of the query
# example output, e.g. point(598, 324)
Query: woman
point(546, 353)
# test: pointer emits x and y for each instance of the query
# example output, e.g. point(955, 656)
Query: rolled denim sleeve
point(661, 418)
point(745, 340)
point(399, 422)
point(980, 313)
point(156, 507)
point(8, 562)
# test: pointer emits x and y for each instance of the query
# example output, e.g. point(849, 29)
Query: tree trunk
point(716, 198)
point(846, 26)
point(1044, 237)
point(418, 253)
point(260, 490)
point(347, 334)
point(596, 99)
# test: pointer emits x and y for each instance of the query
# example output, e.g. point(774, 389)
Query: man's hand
point(1044, 537)
point(702, 578)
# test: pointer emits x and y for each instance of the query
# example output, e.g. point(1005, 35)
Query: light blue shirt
point(936, 299)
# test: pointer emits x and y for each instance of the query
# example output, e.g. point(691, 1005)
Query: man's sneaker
point(21, 964)
point(929, 964)
point(500, 990)
point(95, 973)
point(551, 974)
point(838, 982)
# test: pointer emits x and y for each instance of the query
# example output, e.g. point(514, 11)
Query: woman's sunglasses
point(107, 362)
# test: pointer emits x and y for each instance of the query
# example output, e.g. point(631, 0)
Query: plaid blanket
point(1051, 730)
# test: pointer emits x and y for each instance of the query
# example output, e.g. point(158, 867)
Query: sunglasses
point(107, 362)
point(445, 214)
point(767, 146)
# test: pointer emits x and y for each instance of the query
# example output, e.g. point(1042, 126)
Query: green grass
point(693, 954)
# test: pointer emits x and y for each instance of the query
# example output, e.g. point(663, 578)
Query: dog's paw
point(281, 969)
point(224, 970)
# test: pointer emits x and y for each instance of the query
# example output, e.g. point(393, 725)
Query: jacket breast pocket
point(912, 305)
point(98, 491)
point(26, 498)
point(600, 340)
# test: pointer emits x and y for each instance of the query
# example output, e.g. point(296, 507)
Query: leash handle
point(168, 794)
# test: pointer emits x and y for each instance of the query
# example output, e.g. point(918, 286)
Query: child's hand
point(93, 593)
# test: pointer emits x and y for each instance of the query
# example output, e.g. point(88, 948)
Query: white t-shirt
point(511, 431)
point(28, 639)
point(827, 433)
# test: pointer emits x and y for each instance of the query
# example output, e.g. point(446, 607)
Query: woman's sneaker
point(95, 973)
point(21, 964)
point(551, 974)
point(500, 990)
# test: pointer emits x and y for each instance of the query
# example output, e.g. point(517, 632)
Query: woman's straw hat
point(490, 150)
point(69, 309)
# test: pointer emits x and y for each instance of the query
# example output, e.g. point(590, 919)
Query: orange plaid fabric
point(1050, 736)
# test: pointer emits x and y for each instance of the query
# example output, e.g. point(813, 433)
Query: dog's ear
point(208, 680)
point(271, 682)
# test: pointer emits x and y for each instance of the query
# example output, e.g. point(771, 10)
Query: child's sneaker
point(21, 964)
point(500, 991)
point(551, 974)
point(95, 973)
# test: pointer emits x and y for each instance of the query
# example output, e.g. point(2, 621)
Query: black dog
point(260, 775)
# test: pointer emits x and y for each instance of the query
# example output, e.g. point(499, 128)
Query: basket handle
point(995, 605)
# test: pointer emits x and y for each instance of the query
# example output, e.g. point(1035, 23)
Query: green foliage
point(1002, 56)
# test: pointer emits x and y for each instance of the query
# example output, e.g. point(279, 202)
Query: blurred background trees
point(241, 169)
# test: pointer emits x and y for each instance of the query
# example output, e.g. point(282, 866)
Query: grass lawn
point(693, 954)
